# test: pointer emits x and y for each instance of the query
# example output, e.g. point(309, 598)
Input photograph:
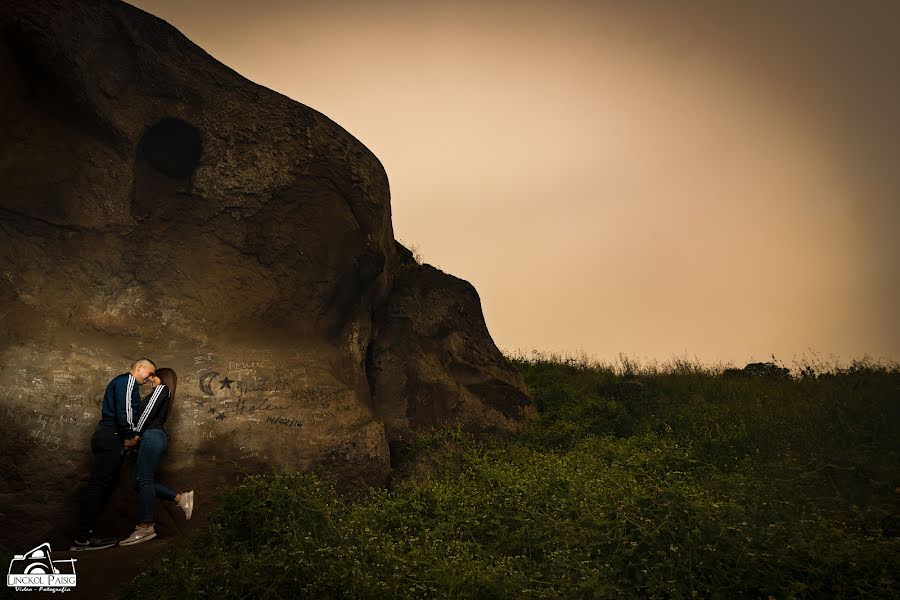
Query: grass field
point(654, 481)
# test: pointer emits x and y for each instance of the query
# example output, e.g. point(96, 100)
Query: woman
point(149, 427)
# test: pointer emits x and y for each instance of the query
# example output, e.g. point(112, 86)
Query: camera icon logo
point(37, 571)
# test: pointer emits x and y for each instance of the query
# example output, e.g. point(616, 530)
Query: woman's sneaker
point(140, 534)
point(187, 504)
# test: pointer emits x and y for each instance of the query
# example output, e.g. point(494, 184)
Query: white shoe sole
point(131, 542)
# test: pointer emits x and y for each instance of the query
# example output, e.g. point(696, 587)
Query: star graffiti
point(226, 383)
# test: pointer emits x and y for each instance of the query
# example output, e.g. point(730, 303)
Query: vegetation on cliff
point(668, 481)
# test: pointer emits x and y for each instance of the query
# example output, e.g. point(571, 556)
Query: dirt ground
point(101, 573)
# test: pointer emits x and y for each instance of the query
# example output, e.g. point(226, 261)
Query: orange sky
point(654, 178)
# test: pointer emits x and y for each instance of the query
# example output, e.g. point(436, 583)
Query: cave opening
point(173, 147)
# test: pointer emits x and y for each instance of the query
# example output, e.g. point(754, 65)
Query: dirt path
point(101, 573)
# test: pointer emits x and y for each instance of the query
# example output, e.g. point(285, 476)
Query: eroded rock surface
point(155, 203)
point(433, 361)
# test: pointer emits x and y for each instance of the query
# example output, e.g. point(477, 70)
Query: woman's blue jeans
point(150, 450)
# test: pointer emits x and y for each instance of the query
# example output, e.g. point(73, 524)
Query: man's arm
point(122, 400)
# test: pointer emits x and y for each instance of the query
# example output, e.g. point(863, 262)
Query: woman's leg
point(164, 493)
point(153, 443)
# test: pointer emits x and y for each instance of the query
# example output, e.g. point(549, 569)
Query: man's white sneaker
point(187, 504)
point(140, 534)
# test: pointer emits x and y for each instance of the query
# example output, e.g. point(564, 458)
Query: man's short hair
point(138, 362)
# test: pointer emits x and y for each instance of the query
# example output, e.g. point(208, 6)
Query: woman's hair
point(169, 379)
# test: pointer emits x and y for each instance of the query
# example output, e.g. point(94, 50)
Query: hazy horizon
point(648, 179)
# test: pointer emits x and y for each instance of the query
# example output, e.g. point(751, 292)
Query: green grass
point(669, 481)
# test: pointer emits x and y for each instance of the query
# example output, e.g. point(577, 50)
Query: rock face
point(432, 360)
point(155, 203)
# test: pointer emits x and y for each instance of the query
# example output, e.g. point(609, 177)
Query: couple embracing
point(129, 424)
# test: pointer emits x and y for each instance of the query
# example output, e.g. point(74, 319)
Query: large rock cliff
point(155, 203)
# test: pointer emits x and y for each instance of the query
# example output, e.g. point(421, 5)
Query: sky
point(716, 181)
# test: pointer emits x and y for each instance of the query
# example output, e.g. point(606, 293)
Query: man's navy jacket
point(121, 402)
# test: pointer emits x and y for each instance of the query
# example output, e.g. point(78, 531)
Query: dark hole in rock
point(173, 147)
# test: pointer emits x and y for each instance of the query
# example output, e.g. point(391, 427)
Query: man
point(114, 435)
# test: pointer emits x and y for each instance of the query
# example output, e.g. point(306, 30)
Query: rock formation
point(155, 203)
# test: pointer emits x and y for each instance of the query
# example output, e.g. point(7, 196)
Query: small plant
point(414, 251)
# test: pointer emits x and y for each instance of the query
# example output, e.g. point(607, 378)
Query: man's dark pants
point(106, 446)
